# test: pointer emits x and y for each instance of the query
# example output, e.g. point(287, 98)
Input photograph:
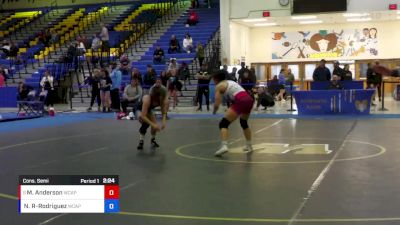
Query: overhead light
point(359, 19)
point(254, 20)
point(303, 17)
point(311, 22)
point(398, 11)
point(265, 24)
point(355, 14)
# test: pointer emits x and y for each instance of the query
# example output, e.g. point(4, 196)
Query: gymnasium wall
point(260, 39)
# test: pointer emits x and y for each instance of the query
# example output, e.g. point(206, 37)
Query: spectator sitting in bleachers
point(174, 46)
point(136, 74)
point(158, 55)
point(6, 48)
point(132, 95)
point(54, 37)
point(24, 92)
point(188, 43)
point(149, 79)
point(13, 50)
point(193, 18)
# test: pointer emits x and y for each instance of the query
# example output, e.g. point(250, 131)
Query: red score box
point(111, 192)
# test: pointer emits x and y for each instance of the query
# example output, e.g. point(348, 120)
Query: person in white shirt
point(47, 84)
point(105, 38)
point(188, 43)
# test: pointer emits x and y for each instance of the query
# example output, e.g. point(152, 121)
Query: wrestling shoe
point(140, 146)
point(248, 149)
point(154, 144)
point(221, 151)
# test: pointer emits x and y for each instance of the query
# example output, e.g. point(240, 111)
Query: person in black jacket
point(149, 79)
point(337, 70)
point(203, 81)
point(94, 82)
point(374, 80)
point(321, 73)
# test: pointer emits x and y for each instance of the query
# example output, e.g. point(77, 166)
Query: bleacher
point(71, 22)
point(202, 32)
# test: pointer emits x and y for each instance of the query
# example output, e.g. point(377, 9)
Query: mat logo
point(282, 148)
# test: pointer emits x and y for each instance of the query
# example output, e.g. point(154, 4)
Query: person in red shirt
point(2, 80)
point(193, 18)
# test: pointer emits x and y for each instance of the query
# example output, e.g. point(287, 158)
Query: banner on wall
point(325, 44)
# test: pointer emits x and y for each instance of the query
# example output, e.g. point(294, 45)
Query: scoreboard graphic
point(68, 194)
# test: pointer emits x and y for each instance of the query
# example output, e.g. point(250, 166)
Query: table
point(347, 85)
point(322, 102)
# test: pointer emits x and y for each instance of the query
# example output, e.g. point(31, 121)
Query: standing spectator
point(374, 81)
point(149, 79)
point(232, 76)
point(174, 46)
point(132, 95)
point(94, 82)
point(282, 82)
point(188, 43)
point(81, 47)
point(184, 74)
point(242, 70)
point(173, 65)
point(247, 83)
point(200, 53)
point(136, 74)
point(193, 18)
point(337, 70)
point(158, 55)
point(348, 74)
point(321, 73)
point(105, 87)
point(195, 3)
point(174, 86)
point(105, 38)
point(96, 43)
point(203, 80)
point(164, 78)
point(290, 77)
point(116, 78)
point(47, 84)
